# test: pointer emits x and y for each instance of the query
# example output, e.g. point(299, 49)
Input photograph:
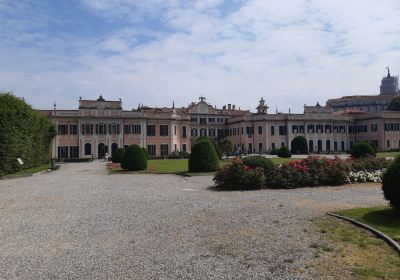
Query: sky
point(154, 52)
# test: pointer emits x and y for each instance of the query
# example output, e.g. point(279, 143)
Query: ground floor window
point(74, 152)
point(260, 147)
point(184, 147)
point(88, 149)
point(151, 149)
point(164, 149)
point(62, 152)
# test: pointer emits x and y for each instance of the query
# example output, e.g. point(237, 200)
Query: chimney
point(229, 106)
point(233, 107)
point(224, 107)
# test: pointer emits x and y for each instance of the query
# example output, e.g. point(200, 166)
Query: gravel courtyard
point(81, 223)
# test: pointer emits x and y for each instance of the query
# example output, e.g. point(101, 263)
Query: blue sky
point(153, 52)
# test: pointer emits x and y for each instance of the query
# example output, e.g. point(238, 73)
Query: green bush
point(134, 159)
point(284, 152)
point(118, 155)
point(216, 147)
point(258, 161)
point(391, 184)
point(203, 157)
point(299, 145)
point(146, 153)
point(24, 133)
point(238, 176)
point(362, 150)
point(274, 152)
point(369, 164)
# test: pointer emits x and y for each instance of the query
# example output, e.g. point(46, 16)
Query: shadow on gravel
point(220, 189)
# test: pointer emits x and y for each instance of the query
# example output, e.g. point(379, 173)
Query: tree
point(394, 104)
point(134, 159)
point(299, 145)
point(362, 150)
point(226, 146)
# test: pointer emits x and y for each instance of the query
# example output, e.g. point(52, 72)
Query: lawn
point(30, 171)
point(354, 252)
point(384, 219)
point(387, 154)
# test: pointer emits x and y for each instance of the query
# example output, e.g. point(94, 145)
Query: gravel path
point(80, 223)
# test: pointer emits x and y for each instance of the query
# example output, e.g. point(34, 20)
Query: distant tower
point(262, 107)
point(55, 106)
point(389, 84)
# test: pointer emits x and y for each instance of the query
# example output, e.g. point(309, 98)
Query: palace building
point(100, 126)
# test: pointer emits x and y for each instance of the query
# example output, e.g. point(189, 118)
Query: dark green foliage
point(394, 104)
point(118, 155)
point(146, 153)
point(24, 134)
point(391, 184)
point(369, 164)
point(299, 145)
point(274, 151)
point(362, 150)
point(226, 146)
point(284, 152)
point(258, 161)
point(203, 157)
point(134, 159)
point(216, 147)
point(239, 176)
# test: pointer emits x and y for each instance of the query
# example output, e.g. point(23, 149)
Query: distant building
point(389, 89)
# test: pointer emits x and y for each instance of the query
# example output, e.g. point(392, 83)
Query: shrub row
point(24, 134)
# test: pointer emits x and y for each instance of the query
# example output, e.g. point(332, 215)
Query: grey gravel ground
point(80, 223)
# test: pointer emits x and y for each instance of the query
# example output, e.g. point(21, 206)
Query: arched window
point(88, 149)
point(114, 146)
point(328, 145)
point(311, 146)
point(319, 146)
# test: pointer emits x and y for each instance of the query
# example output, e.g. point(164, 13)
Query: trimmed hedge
point(362, 150)
point(391, 185)
point(134, 159)
point(284, 152)
point(258, 161)
point(25, 134)
point(299, 145)
point(203, 157)
point(146, 153)
point(118, 155)
point(216, 147)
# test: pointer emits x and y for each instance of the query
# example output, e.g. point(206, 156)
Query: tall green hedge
point(203, 157)
point(24, 134)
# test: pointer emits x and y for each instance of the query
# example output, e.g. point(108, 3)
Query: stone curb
point(6, 177)
point(379, 234)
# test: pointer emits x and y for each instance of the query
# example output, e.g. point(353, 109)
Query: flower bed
point(365, 177)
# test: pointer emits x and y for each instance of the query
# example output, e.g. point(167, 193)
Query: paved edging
point(6, 177)
point(378, 233)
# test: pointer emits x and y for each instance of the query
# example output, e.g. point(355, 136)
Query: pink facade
point(100, 126)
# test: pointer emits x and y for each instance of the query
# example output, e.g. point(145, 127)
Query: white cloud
point(290, 53)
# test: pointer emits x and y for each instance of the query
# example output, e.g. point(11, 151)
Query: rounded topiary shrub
point(203, 157)
point(362, 149)
point(118, 155)
point(258, 161)
point(299, 145)
point(216, 147)
point(284, 152)
point(134, 159)
point(391, 185)
point(146, 153)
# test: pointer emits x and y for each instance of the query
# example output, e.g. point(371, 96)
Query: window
point(260, 130)
point(273, 145)
point(113, 128)
point(164, 149)
point(220, 120)
point(249, 130)
point(335, 145)
point(164, 130)
point(220, 133)
point(374, 127)
point(151, 130)
point(62, 152)
point(294, 128)
point(136, 129)
point(211, 132)
point(203, 132)
point(211, 120)
point(328, 128)
point(342, 144)
point(151, 149)
point(193, 119)
point(88, 128)
point(62, 129)
point(272, 130)
point(301, 128)
point(203, 120)
point(175, 147)
point(88, 149)
point(74, 151)
point(183, 147)
point(310, 128)
point(175, 130)
point(260, 147)
point(73, 129)
point(127, 129)
point(194, 132)
point(282, 130)
point(388, 144)
point(184, 131)
point(282, 144)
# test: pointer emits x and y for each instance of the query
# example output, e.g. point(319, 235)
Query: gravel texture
point(81, 223)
